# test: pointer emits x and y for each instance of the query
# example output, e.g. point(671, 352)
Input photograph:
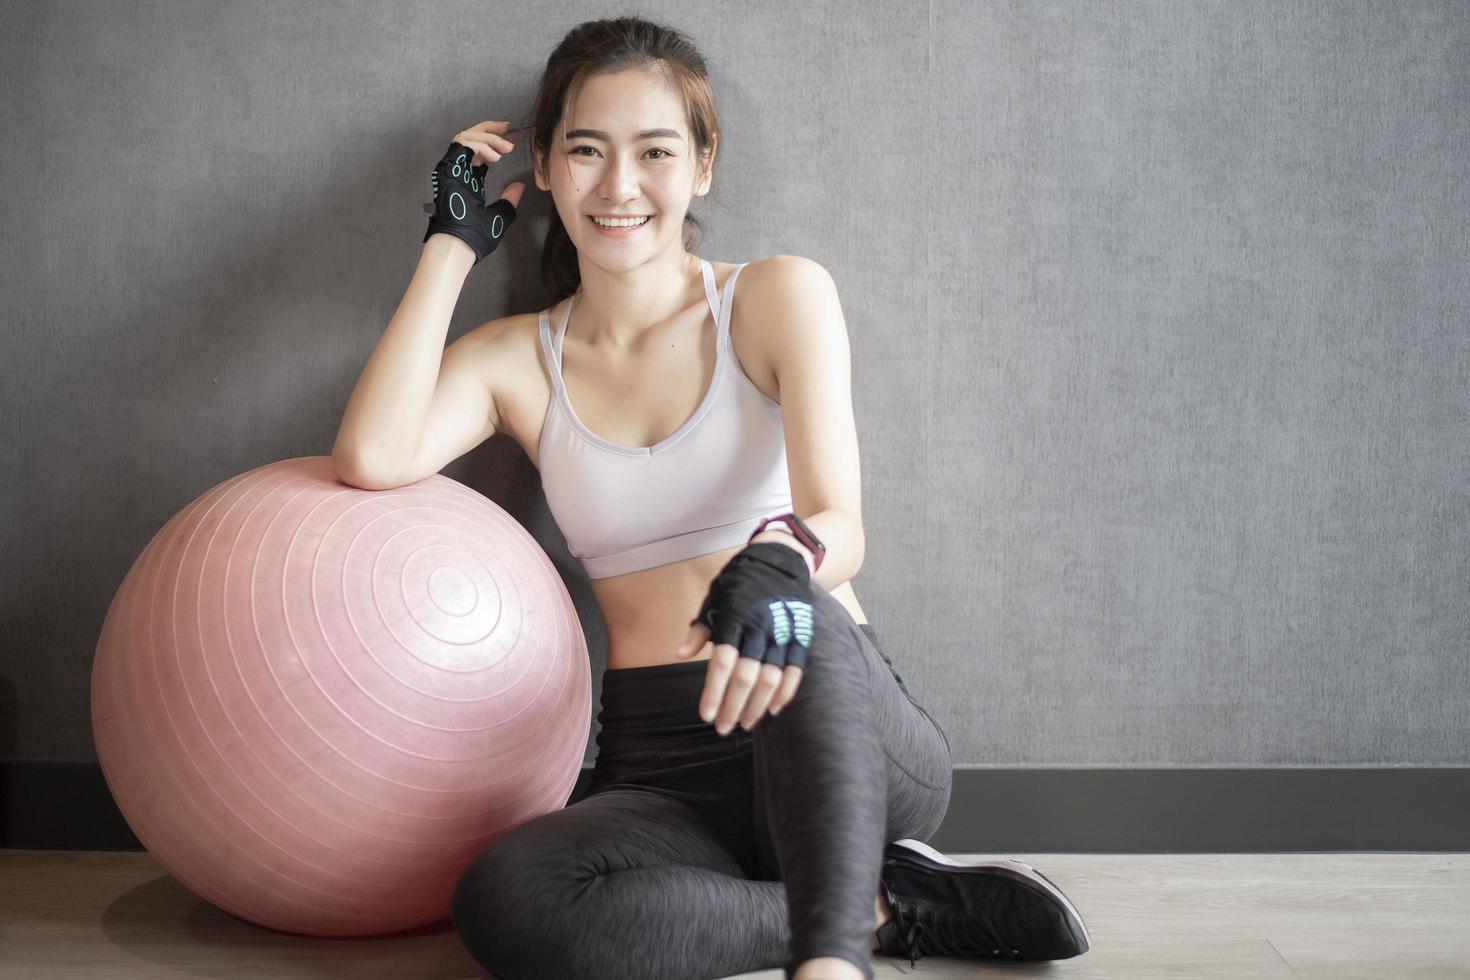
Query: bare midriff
point(648, 613)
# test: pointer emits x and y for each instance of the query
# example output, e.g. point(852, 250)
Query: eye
point(575, 151)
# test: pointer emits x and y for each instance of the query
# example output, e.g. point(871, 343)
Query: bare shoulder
point(765, 305)
point(775, 284)
point(776, 272)
point(774, 293)
point(506, 332)
point(507, 345)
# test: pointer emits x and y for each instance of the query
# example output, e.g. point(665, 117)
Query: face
point(617, 169)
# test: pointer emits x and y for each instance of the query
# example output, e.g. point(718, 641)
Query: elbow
point(859, 541)
point(352, 471)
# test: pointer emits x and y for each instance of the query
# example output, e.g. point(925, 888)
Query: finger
point(479, 149)
point(695, 641)
point(721, 664)
point(790, 680)
point(737, 692)
point(759, 701)
point(462, 160)
point(753, 650)
point(513, 192)
point(490, 126)
point(483, 152)
point(493, 140)
point(756, 645)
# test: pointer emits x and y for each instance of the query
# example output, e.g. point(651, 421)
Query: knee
point(490, 912)
point(836, 643)
point(476, 911)
point(830, 615)
point(517, 904)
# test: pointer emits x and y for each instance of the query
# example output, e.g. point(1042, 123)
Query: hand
point(459, 207)
point(758, 614)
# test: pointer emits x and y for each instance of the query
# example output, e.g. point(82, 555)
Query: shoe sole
point(923, 852)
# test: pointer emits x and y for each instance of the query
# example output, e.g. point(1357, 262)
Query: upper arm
point(463, 412)
point(804, 338)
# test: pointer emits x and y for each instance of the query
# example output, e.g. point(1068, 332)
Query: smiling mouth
point(620, 227)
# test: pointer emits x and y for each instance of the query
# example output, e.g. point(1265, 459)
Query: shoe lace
point(939, 932)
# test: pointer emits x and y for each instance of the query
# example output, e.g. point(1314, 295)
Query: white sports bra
point(702, 489)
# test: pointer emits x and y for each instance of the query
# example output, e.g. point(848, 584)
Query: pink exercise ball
point(315, 704)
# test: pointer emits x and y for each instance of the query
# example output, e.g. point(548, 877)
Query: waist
point(659, 697)
point(647, 613)
point(651, 731)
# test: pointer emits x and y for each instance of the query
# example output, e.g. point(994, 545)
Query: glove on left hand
point(459, 207)
point(761, 604)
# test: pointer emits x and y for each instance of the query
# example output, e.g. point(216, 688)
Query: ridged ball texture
point(315, 704)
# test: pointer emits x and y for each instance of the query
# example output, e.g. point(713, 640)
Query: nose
point(619, 181)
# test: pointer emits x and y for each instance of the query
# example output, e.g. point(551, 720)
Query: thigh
point(908, 730)
point(612, 830)
point(916, 771)
point(919, 769)
point(524, 904)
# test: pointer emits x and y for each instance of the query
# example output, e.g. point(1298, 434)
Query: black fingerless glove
point(459, 207)
point(761, 604)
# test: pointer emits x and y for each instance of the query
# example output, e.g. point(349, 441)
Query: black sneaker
point(991, 909)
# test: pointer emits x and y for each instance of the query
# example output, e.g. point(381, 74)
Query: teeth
point(621, 223)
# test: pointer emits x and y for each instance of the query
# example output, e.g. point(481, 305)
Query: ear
point(541, 182)
point(707, 172)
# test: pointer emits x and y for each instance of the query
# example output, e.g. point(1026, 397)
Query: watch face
point(799, 530)
point(804, 534)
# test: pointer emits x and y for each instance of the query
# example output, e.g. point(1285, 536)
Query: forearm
point(381, 425)
point(840, 532)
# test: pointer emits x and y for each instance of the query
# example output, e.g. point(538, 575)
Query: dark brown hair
point(612, 45)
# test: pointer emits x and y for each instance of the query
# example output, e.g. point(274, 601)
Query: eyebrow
point(647, 134)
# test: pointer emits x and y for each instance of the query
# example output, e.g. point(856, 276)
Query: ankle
point(882, 911)
point(828, 968)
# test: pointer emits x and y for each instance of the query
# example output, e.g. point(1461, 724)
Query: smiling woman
point(679, 435)
point(635, 163)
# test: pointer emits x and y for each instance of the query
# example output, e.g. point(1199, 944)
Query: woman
point(753, 762)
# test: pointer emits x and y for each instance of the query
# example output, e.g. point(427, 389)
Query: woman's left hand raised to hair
point(758, 615)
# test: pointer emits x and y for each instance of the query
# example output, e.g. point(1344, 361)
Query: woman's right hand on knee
point(458, 183)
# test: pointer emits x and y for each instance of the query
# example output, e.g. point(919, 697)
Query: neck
point(616, 308)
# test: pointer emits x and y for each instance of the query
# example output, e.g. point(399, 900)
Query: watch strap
point(798, 530)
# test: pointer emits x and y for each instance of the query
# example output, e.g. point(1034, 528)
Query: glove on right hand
point(761, 604)
point(459, 207)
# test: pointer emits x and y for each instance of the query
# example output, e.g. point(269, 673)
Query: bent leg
point(624, 883)
point(850, 764)
point(919, 767)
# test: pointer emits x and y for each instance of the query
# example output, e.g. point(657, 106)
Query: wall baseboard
point(66, 805)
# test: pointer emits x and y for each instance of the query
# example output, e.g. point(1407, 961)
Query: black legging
point(695, 855)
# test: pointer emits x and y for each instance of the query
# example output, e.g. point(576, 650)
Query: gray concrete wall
point(1158, 317)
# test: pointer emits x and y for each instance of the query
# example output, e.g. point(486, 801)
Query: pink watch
point(800, 531)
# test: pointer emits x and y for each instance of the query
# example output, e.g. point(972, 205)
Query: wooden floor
point(1339, 916)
